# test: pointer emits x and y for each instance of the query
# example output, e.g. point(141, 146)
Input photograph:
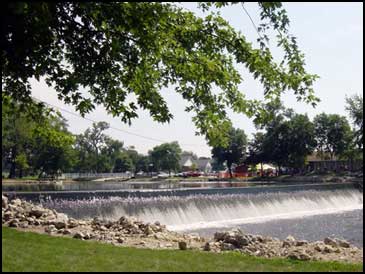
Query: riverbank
point(316, 178)
point(130, 232)
point(86, 256)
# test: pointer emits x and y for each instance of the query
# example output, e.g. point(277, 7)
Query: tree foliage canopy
point(333, 134)
point(166, 157)
point(34, 145)
point(117, 49)
point(355, 107)
point(235, 152)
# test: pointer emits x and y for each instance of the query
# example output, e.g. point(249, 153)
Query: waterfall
point(200, 211)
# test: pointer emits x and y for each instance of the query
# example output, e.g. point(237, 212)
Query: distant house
point(204, 165)
point(188, 163)
point(322, 163)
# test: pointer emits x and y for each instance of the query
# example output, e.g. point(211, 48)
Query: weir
point(77, 195)
point(202, 208)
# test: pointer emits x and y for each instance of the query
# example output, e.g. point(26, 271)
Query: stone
point(67, 232)
point(14, 223)
point(103, 228)
point(301, 243)
point(16, 202)
point(219, 236)
point(50, 229)
point(23, 224)
point(37, 222)
point(183, 246)
point(318, 248)
point(87, 236)
point(8, 215)
point(72, 223)
point(148, 231)
point(30, 220)
point(286, 243)
point(290, 238)
point(5, 202)
point(328, 249)
point(120, 240)
point(97, 221)
point(227, 247)
point(298, 255)
point(329, 241)
point(60, 225)
point(60, 221)
point(343, 243)
point(79, 235)
point(258, 238)
point(37, 212)
point(207, 247)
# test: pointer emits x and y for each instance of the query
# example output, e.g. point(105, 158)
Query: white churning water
point(203, 211)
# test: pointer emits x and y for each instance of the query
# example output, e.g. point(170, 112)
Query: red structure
point(240, 171)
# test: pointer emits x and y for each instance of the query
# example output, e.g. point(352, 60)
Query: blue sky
point(329, 34)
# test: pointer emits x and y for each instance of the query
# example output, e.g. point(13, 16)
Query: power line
point(118, 129)
point(253, 23)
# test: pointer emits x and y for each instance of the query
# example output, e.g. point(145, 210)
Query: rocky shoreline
point(130, 232)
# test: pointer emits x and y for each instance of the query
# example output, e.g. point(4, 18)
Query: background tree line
point(285, 138)
point(43, 145)
point(33, 147)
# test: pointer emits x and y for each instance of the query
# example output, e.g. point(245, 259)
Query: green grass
point(34, 252)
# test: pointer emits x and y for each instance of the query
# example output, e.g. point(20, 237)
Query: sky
point(329, 34)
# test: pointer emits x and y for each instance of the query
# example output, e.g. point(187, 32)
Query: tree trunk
point(230, 171)
point(13, 164)
point(262, 170)
point(12, 170)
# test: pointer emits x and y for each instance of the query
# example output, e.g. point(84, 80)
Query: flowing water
point(251, 211)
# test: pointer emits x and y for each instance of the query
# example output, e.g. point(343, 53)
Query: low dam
point(205, 211)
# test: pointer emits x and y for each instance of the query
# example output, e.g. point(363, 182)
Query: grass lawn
point(34, 252)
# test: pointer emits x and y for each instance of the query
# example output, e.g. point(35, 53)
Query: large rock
point(8, 215)
point(330, 241)
point(5, 202)
point(328, 249)
point(79, 235)
point(37, 212)
point(227, 247)
point(16, 202)
point(183, 246)
point(72, 223)
point(301, 243)
point(14, 223)
point(234, 237)
point(298, 255)
point(60, 221)
point(343, 243)
point(51, 229)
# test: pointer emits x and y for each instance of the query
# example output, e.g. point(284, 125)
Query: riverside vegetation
point(129, 232)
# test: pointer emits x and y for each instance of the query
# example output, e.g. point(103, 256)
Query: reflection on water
point(123, 185)
point(147, 185)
